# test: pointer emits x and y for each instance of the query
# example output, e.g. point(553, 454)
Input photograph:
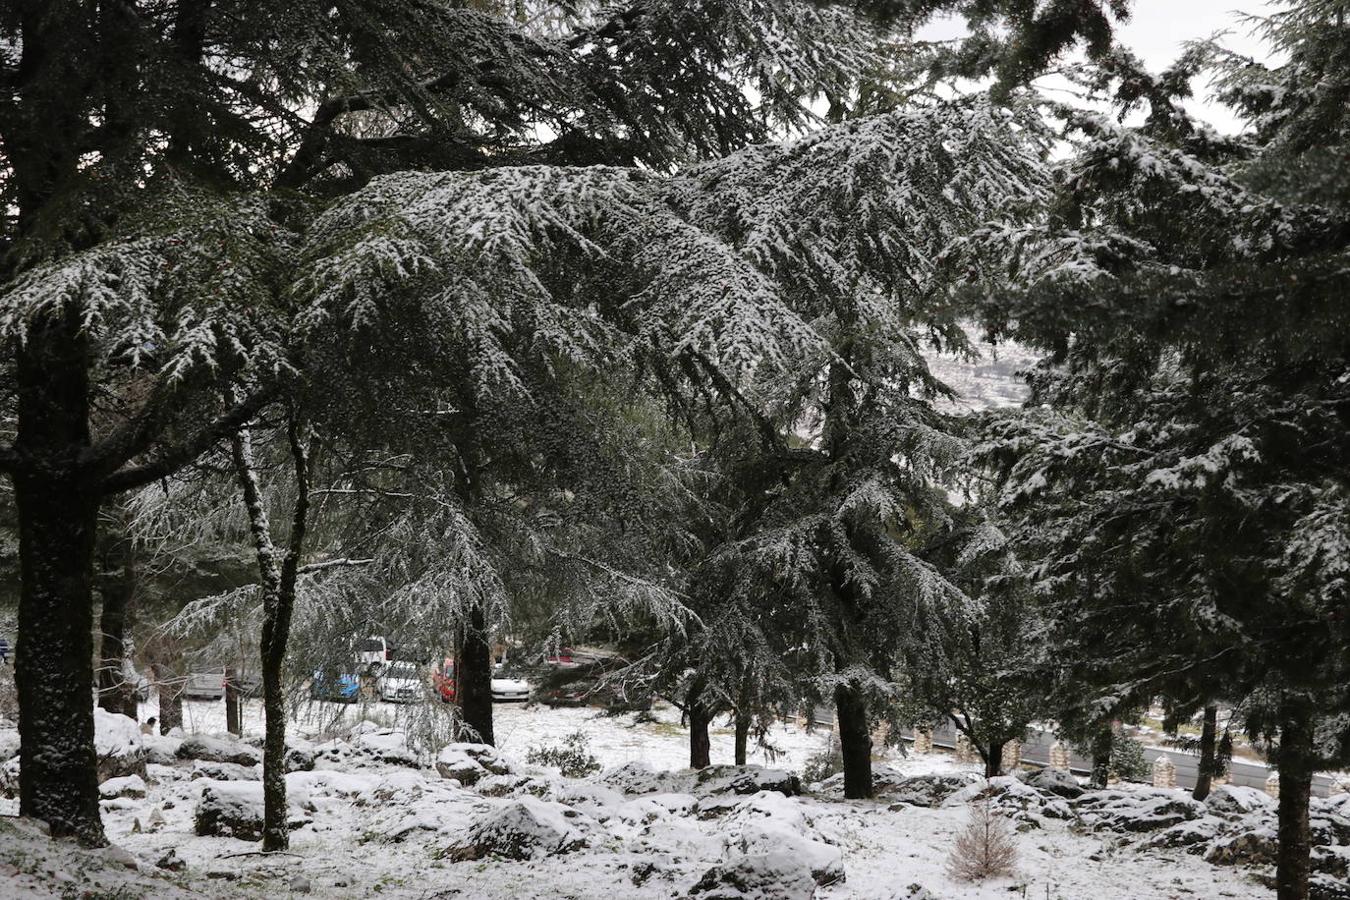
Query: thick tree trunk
point(855, 741)
point(112, 686)
point(1209, 757)
point(1296, 764)
point(1101, 756)
point(473, 676)
point(742, 737)
point(168, 686)
point(993, 760)
point(233, 723)
point(700, 717)
point(58, 520)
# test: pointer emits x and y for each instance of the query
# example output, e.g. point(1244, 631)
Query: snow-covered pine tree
point(1195, 470)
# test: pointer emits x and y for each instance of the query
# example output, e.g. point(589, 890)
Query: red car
point(443, 680)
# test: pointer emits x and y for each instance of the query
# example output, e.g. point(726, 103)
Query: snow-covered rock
point(1232, 800)
point(224, 771)
point(218, 748)
point(162, 750)
point(235, 809)
point(468, 763)
point(928, 790)
point(9, 778)
point(1138, 809)
point(1257, 847)
point(1192, 835)
point(388, 745)
point(118, 745)
point(640, 778)
point(9, 742)
point(745, 780)
point(1056, 781)
point(125, 786)
point(776, 875)
point(595, 800)
point(1015, 799)
point(526, 828)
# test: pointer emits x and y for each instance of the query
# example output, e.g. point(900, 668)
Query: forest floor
point(374, 820)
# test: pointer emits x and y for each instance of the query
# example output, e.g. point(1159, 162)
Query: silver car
point(204, 686)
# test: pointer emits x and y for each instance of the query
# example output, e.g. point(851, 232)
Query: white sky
point(1158, 28)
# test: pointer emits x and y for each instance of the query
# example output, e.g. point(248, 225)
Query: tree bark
point(855, 741)
point(1209, 757)
point(1101, 755)
point(232, 707)
point(278, 583)
point(993, 760)
point(700, 744)
point(1296, 762)
point(112, 687)
point(742, 737)
point(58, 521)
point(168, 687)
point(473, 676)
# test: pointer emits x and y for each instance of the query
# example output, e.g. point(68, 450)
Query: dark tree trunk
point(168, 686)
point(1101, 756)
point(1209, 757)
point(112, 687)
point(1296, 765)
point(742, 737)
point(58, 520)
point(993, 760)
point(855, 741)
point(473, 676)
point(232, 702)
point(700, 717)
point(278, 583)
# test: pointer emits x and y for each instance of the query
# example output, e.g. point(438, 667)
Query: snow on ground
point(370, 826)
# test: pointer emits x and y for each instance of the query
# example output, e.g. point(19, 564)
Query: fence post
point(1059, 756)
point(1012, 756)
point(1164, 773)
point(964, 751)
point(1273, 785)
point(923, 740)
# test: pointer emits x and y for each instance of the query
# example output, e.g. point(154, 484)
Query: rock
point(9, 742)
point(300, 758)
point(1231, 800)
point(171, 862)
point(224, 771)
point(388, 745)
point(885, 782)
point(776, 875)
point(125, 786)
point(1191, 836)
point(161, 750)
point(218, 749)
point(929, 790)
point(299, 885)
point(523, 829)
point(745, 780)
point(118, 745)
point(1055, 781)
point(1141, 809)
point(1015, 799)
point(9, 778)
point(1250, 848)
point(468, 763)
point(235, 809)
point(1325, 887)
point(122, 857)
point(640, 778)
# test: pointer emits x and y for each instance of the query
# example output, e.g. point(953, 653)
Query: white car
point(506, 689)
point(401, 682)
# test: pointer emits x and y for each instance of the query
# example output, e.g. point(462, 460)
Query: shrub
point(1127, 759)
point(573, 759)
point(822, 765)
point(985, 848)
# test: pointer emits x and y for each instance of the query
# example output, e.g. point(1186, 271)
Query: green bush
point(573, 759)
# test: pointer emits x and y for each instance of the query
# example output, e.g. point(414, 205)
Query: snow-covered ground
point(374, 820)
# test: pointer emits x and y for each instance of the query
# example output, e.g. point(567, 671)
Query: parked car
point(595, 684)
point(443, 681)
point(341, 688)
point(563, 659)
point(508, 687)
point(372, 652)
point(204, 686)
point(401, 682)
